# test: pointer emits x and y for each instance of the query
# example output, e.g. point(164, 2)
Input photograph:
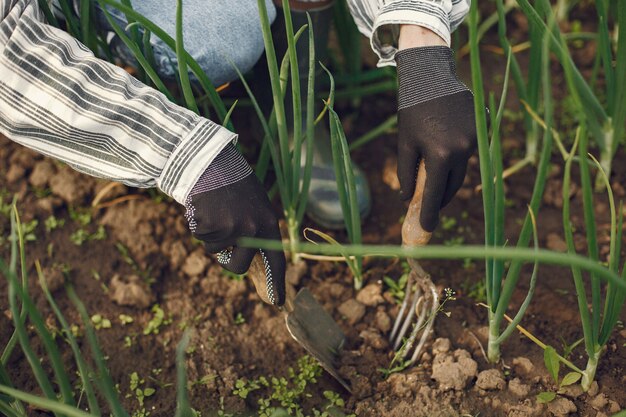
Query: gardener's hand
point(435, 122)
point(228, 202)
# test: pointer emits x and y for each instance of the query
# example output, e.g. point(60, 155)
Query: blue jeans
point(214, 32)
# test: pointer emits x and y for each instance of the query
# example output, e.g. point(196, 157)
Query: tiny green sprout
point(125, 319)
point(52, 223)
point(468, 263)
point(243, 388)
point(334, 399)
point(157, 321)
point(448, 223)
point(100, 322)
point(128, 341)
point(454, 241)
point(28, 229)
point(545, 397)
point(79, 237)
point(75, 330)
point(396, 288)
point(80, 216)
point(239, 319)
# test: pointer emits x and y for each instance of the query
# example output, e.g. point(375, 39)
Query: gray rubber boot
point(323, 204)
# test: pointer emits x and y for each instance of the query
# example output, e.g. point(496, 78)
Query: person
point(59, 99)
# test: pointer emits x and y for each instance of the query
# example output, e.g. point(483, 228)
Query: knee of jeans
point(232, 37)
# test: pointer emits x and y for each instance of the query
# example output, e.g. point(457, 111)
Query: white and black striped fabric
point(60, 100)
point(373, 17)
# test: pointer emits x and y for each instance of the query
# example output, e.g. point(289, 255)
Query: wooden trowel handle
point(257, 274)
point(412, 232)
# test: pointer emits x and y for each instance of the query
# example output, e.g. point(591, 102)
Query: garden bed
point(145, 281)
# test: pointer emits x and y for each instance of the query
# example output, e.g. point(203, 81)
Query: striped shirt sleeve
point(379, 20)
point(60, 100)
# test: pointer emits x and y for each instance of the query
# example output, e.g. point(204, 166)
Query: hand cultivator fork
point(420, 305)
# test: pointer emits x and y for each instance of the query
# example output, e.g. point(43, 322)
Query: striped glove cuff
point(227, 168)
point(426, 73)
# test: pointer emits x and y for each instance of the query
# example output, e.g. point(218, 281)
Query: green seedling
point(100, 322)
point(286, 393)
point(125, 319)
point(146, 275)
point(28, 229)
point(240, 319)
point(52, 223)
point(81, 235)
point(447, 223)
point(140, 393)
point(80, 216)
point(158, 320)
point(396, 288)
point(552, 361)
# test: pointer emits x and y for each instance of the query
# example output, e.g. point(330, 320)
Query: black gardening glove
point(228, 202)
point(435, 122)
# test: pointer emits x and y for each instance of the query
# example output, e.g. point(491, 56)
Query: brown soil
point(235, 336)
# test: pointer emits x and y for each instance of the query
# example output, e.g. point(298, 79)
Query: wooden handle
point(257, 274)
point(412, 232)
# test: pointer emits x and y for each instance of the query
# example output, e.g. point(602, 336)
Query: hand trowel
point(308, 323)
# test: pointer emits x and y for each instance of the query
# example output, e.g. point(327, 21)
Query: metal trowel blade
point(314, 329)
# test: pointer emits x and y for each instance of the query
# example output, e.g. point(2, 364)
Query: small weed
point(454, 241)
point(447, 223)
point(157, 321)
point(476, 290)
point(239, 319)
point(81, 216)
point(140, 393)
point(28, 229)
point(100, 322)
point(5, 206)
point(396, 288)
point(205, 380)
point(128, 341)
point(125, 253)
point(81, 235)
point(553, 363)
point(52, 223)
point(288, 392)
point(125, 319)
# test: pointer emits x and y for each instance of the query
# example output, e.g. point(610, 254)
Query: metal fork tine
point(428, 329)
point(405, 303)
point(408, 319)
point(421, 317)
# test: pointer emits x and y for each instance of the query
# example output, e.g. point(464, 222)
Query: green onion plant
point(600, 317)
point(605, 118)
point(292, 178)
point(500, 284)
